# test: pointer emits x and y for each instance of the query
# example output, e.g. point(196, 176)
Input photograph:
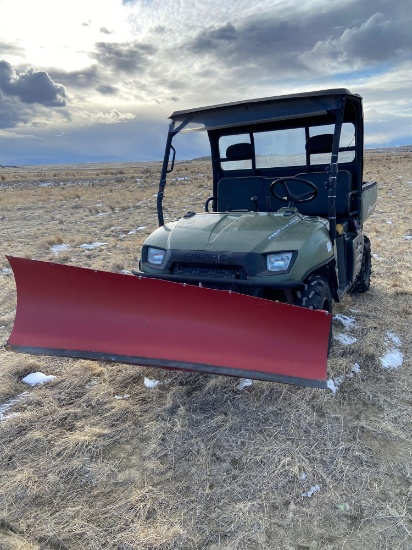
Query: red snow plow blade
point(75, 312)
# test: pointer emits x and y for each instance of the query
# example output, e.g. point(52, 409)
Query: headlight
point(279, 261)
point(155, 255)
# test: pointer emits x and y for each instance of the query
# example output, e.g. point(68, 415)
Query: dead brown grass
point(196, 463)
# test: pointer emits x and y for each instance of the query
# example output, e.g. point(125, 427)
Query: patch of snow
point(407, 237)
point(347, 322)
point(356, 369)
point(314, 489)
point(103, 213)
point(376, 256)
point(244, 383)
point(392, 359)
point(125, 396)
point(155, 195)
point(334, 383)
point(5, 406)
point(93, 382)
point(150, 383)
point(6, 271)
point(345, 339)
point(57, 248)
point(389, 222)
point(36, 378)
point(134, 231)
point(303, 476)
point(125, 272)
point(393, 338)
point(91, 246)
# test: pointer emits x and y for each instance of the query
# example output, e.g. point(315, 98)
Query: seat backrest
point(319, 206)
point(239, 151)
point(236, 193)
point(319, 144)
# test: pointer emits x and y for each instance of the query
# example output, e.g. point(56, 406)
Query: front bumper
point(216, 282)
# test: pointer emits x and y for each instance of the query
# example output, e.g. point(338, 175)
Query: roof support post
point(333, 173)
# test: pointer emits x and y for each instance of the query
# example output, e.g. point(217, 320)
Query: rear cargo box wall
point(369, 198)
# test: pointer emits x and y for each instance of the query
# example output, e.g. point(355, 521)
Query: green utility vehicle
point(283, 228)
point(286, 214)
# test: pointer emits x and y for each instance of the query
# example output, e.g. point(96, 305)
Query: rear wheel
point(316, 294)
point(363, 281)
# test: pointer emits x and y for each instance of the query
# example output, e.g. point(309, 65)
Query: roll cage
point(309, 111)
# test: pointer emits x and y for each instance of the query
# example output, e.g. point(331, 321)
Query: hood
point(240, 231)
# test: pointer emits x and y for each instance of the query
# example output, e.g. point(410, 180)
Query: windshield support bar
point(165, 168)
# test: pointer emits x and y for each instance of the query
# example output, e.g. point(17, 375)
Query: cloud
point(135, 141)
point(14, 135)
point(106, 89)
point(100, 117)
point(28, 97)
point(6, 48)
point(331, 39)
point(31, 86)
point(81, 79)
point(386, 129)
point(215, 38)
point(141, 57)
point(375, 41)
point(378, 39)
point(13, 113)
point(127, 57)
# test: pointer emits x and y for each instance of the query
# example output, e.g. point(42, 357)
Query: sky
point(95, 81)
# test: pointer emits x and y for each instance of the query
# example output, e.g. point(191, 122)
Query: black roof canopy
point(256, 111)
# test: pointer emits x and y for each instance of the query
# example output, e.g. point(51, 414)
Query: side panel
point(369, 198)
point(74, 312)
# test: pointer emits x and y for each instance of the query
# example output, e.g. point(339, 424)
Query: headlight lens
point(155, 255)
point(279, 261)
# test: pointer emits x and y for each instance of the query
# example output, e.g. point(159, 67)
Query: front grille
point(199, 271)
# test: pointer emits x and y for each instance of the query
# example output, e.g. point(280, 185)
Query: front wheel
point(316, 294)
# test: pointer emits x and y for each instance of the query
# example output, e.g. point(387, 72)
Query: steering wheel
point(208, 201)
point(293, 198)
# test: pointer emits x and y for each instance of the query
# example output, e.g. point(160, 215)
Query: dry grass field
point(95, 459)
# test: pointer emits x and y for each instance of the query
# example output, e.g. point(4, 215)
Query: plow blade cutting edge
point(75, 312)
